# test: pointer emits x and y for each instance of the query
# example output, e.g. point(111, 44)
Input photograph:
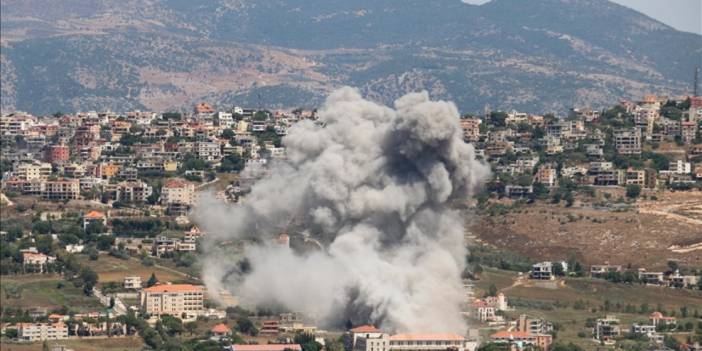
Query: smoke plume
point(369, 186)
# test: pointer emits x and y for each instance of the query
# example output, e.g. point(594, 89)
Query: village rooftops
point(165, 288)
point(221, 329)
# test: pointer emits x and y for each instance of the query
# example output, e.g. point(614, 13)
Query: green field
point(556, 301)
point(112, 269)
point(29, 291)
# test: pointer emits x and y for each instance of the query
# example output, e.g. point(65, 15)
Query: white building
point(42, 331)
point(132, 282)
point(680, 167)
point(414, 342)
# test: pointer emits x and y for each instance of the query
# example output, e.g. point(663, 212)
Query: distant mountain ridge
point(536, 55)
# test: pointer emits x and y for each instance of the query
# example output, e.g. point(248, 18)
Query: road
point(119, 309)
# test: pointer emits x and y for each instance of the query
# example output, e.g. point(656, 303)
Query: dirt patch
point(648, 235)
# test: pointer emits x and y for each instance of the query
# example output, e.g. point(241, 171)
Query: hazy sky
point(681, 14)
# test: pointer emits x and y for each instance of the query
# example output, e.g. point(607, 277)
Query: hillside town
point(96, 210)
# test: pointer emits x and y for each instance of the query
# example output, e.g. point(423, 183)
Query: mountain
point(535, 55)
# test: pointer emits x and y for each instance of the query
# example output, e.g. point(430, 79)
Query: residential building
point(656, 318)
point(520, 340)
point(132, 282)
point(688, 131)
point(94, 217)
point(35, 261)
point(547, 175)
point(680, 167)
point(57, 154)
point(32, 169)
point(533, 326)
point(607, 328)
point(65, 189)
point(654, 278)
point(178, 195)
point(609, 178)
point(134, 191)
point(173, 299)
point(221, 331)
point(542, 271)
point(635, 177)
point(678, 280)
point(42, 331)
point(628, 142)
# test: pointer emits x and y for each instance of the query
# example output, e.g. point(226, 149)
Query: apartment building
point(132, 282)
point(601, 271)
point(607, 328)
point(635, 177)
point(542, 271)
point(522, 340)
point(533, 326)
point(31, 170)
point(173, 299)
point(628, 142)
point(57, 154)
point(688, 131)
point(66, 189)
point(547, 175)
point(42, 331)
point(178, 195)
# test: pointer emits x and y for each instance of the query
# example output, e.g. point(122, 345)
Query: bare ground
point(648, 235)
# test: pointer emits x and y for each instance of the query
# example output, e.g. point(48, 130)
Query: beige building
point(178, 195)
point(413, 342)
point(628, 142)
point(173, 299)
point(32, 170)
point(42, 331)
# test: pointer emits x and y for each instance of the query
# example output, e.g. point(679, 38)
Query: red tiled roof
point(94, 214)
point(365, 329)
point(175, 288)
point(221, 329)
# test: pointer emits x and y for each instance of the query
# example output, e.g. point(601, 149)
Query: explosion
point(372, 185)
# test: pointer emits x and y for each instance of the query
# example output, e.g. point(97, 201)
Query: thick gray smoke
point(371, 185)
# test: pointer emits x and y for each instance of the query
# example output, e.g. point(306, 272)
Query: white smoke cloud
point(372, 184)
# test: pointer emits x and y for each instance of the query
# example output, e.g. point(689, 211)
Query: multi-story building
point(471, 129)
point(57, 154)
point(173, 299)
point(132, 282)
point(94, 217)
point(542, 271)
point(32, 169)
point(635, 177)
point(35, 261)
point(609, 178)
point(607, 328)
point(547, 175)
point(178, 195)
point(413, 342)
point(42, 331)
point(65, 189)
point(688, 131)
point(520, 340)
point(680, 167)
point(628, 142)
point(533, 326)
point(208, 151)
point(135, 191)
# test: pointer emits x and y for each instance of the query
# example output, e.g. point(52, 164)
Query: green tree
point(172, 325)
point(492, 290)
point(89, 278)
point(152, 280)
point(190, 327)
point(228, 134)
point(633, 191)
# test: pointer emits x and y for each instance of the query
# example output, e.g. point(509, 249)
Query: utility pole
point(697, 81)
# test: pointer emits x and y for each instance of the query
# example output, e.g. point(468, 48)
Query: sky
point(685, 15)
